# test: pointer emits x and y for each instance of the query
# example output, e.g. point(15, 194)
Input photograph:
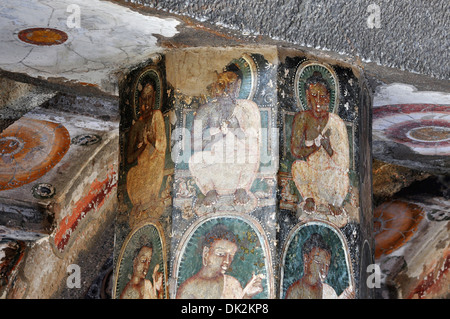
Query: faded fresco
point(226, 258)
point(319, 179)
point(145, 184)
point(146, 148)
point(233, 126)
point(421, 131)
point(316, 264)
point(225, 158)
point(319, 142)
point(317, 164)
point(413, 247)
point(141, 270)
point(29, 148)
point(231, 151)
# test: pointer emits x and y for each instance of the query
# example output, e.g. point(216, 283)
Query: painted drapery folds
point(231, 160)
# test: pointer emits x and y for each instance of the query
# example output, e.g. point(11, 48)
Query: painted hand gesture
point(254, 286)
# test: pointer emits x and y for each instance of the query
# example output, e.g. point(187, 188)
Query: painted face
point(318, 97)
point(226, 83)
point(220, 255)
point(318, 263)
point(147, 94)
point(142, 262)
point(217, 88)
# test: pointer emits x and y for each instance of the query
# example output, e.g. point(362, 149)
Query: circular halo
point(148, 75)
point(246, 70)
point(305, 71)
point(43, 36)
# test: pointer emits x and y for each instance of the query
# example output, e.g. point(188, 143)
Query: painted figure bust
point(211, 281)
point(139, 287)
point(316, 262)
point(228, 160)
point(320, 142)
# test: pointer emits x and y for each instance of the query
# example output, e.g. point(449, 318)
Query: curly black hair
point(315, 78)
point(315, 240)
point(218, 232)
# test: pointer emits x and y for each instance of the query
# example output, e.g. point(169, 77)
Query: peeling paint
point(92, 202)
point(435, 282)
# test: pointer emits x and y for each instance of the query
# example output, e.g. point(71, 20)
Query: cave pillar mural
point(224, 214)
point(145, 185)
point(245, 174)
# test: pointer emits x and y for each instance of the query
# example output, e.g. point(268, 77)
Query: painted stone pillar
point(325, 214)
point(238, 166)
point(145, 185)
point(225, 173)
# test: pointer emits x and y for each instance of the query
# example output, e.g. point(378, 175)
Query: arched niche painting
point(224, 257)
point(141, 271)
point(316, 264)
point(319, 144)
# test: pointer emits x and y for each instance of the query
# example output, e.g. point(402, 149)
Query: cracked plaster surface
point(110, 38)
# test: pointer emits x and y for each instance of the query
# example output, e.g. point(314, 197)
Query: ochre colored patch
point(90, 203)
point(43, 36)
point(394, 224)
point(431, 133)
point(29, 148)
point(434, 283)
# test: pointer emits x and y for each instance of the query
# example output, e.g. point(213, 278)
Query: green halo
point(304, 72)
point(148, 75)
point(246, 70)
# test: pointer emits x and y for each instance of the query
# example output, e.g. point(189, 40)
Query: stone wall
point(402, 34)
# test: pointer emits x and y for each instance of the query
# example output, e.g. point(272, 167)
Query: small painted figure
point(211, 281)
point(230, 143)
point(316, 262)
point(139, 287)
point(320, 142)
point(147, 145)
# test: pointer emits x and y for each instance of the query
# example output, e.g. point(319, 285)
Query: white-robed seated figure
point(226, 140)
point(320, 142)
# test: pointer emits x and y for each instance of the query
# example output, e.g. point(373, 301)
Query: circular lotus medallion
point(29, 148)
point(43, 36)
